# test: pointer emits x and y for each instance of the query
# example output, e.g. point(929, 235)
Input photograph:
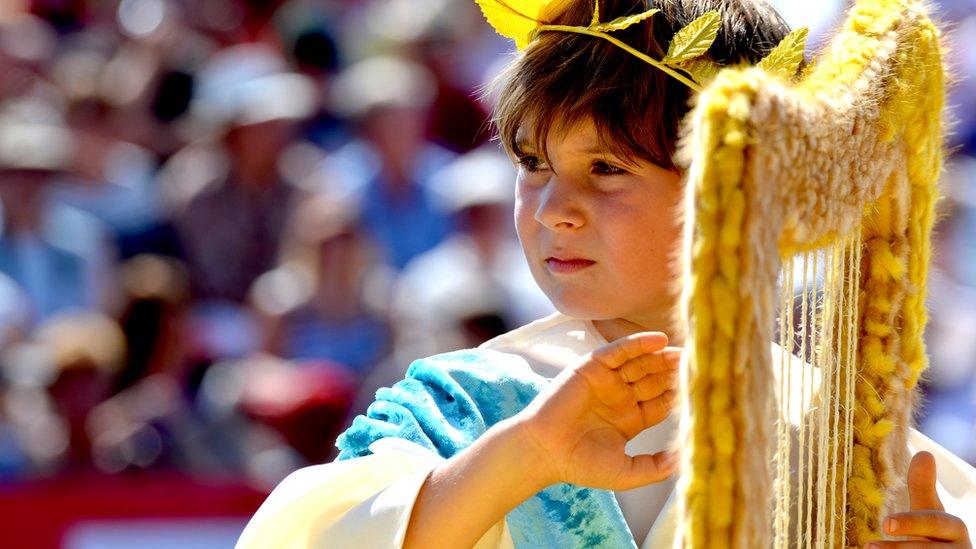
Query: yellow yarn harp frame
point(828, 183)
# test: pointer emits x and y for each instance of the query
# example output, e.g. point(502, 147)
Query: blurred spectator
point(327, 299)
point(388, 170)
point(111, 179)
point(85, 351)
point(14, 312)
point(150, 77)
point(440, 35)
point(316, 55)
point(228, 199)
point(309, 38)
point(153, 319)
point(306, 403)
point(56, 255)
point(34, 434)
point(247, 405)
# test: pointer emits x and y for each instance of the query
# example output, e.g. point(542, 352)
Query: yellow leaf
point(596, 13)
point(553, 8)
point(784, 60)
point(694, 39)
point(512, 18)
point(622, 23)
point(518, 19)
point(701, 69)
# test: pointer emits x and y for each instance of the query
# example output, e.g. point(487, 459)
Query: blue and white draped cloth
point(446, 402)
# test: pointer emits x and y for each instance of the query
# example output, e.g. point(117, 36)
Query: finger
point(615, 354)
point(930, 524)
point(647, 468)
point(654, 385)
point(656, 409)
point(668, 358)
point(921, 483)
point(608, 387)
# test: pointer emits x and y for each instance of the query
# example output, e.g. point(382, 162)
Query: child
point(527, 440)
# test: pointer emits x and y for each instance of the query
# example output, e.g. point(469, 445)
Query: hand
point(580, 423)
point(927, 522)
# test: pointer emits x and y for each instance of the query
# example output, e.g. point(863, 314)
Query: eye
point(532, 163)
point(604, 168)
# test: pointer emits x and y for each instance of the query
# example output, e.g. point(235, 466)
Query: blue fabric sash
point(447, 401)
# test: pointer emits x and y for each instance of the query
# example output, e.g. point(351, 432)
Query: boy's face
point(616, 214)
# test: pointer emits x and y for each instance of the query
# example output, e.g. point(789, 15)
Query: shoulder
point(548, 344)
point(531, 331)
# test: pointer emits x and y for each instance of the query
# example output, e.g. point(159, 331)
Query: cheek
point(525, 225)
point(644, 244)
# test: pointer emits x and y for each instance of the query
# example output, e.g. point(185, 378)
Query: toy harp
point(808, 216)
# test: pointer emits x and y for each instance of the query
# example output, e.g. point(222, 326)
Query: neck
point(616, 328)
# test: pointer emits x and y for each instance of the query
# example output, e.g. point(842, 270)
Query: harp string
point(809, 420)
point(822, 411)
point(814, 421)
point(853, 294)
point(781, 508)
point(830, 366)
point(789, 404)
point(802, 438)
point(840, 277)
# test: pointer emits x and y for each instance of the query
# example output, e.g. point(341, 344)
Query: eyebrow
point(594, 148)
point(523, 144)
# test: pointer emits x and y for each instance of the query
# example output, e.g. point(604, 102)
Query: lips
point(568, 264)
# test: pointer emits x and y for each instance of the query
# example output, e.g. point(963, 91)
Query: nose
point(559, 206)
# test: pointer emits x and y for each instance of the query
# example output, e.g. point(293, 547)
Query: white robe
point(366, 502)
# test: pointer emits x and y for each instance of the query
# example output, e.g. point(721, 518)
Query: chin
point(588, 307)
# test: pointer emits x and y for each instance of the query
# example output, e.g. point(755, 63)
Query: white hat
point(482, 176)
point(33, 137)
point(287, 96)
point(381, 81)
point(250, 84)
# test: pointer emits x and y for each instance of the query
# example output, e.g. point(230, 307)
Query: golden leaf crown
point(686, 59)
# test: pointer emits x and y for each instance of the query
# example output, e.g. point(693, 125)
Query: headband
point(686, 59)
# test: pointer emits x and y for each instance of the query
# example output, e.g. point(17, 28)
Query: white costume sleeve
point(363, 502)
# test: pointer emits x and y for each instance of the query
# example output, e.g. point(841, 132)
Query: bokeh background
point(225, 223)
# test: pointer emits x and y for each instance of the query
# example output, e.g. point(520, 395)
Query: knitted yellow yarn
point(777, 169)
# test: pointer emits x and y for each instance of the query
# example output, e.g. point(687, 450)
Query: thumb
point(649, 468)
point(921, 483)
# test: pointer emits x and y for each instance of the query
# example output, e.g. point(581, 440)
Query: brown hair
point(563, 78)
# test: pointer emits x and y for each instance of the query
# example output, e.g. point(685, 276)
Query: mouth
point(568, 264)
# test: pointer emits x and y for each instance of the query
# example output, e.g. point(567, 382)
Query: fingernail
point(891, 525)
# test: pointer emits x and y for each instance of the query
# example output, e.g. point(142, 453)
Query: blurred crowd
point(225, 223)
